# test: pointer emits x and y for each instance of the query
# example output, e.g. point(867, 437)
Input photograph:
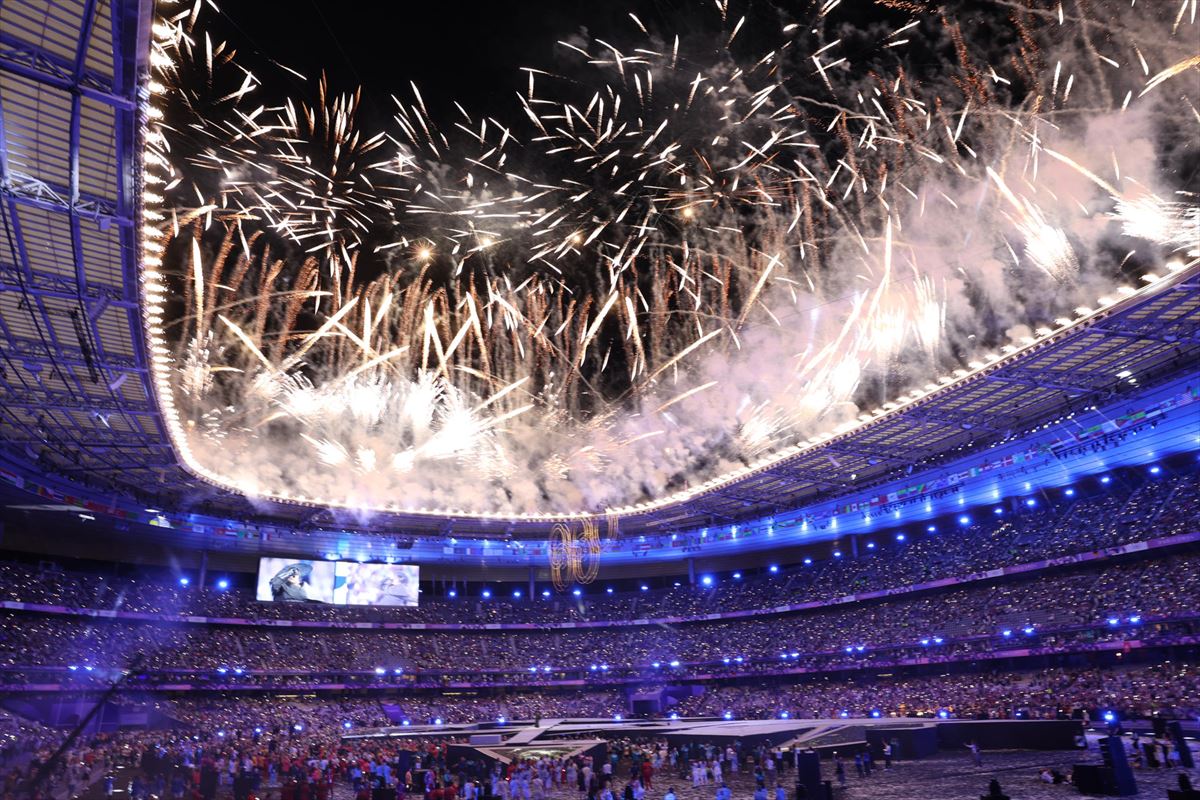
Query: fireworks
point(685, 267)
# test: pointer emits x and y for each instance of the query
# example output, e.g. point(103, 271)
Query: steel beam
point(33, 63)
point(33, 192)
point(1058, 380)
point(60, 287)
point(33, 351)
point(53, 400)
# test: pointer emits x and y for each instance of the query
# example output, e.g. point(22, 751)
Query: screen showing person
point(290, 580)
point(376, 584)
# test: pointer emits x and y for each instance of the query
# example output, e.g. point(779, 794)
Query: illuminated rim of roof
point(154, 292)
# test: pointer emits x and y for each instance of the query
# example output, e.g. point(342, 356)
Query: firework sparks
point(677, 265)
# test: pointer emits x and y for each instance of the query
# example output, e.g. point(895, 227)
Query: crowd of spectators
point(1168, 689)
point(278, 741)
point(818, 663)
point(304, 747)
point(1145, 600)
point(1053, 527)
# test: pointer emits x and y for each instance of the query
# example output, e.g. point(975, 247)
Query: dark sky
point(465, 51)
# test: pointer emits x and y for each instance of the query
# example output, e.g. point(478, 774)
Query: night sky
point(472, 52)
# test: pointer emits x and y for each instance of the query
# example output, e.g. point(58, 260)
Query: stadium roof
point(76, 395)
point(73, 380)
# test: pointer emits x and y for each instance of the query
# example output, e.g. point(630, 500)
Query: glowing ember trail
point(678, 263)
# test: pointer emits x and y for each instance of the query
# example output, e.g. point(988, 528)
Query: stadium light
point(807, 562)
point(737, 576)
point(517, 593)
point(223, 584)
point(452, 593)
point(964, 520)
point(900, 537)
point(608, 590)
point(1105, 479)
point(645, 588)
point(577, 592)
point(728, 715)
point(1155, 469)
point(183, 581)
point(707, 580)
point(870, 545)
point(487, 594)
point(773, 568)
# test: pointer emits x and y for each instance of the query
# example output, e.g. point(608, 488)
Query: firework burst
point(672, 267)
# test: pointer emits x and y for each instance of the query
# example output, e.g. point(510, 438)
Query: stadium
point(679, 400)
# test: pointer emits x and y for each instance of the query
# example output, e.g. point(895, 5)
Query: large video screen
point(288, 580)
point(376, 585)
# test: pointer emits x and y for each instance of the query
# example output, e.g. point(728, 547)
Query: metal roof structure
point(74, 392)
point(77, 395)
